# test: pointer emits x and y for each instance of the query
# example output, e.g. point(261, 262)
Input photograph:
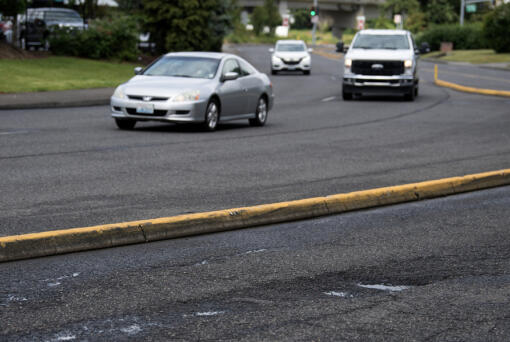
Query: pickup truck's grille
point(380, 68)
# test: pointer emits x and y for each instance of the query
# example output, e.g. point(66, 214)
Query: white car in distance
point(291, 55)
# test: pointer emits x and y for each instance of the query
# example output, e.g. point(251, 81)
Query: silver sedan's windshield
point(381, 41)
point(290, 47)
point(182, 66)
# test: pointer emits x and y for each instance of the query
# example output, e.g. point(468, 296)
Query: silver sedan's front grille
point(147, 98)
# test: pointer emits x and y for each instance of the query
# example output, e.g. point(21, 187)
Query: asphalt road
point(64, 168)
point(429, 271)
point(436, 270)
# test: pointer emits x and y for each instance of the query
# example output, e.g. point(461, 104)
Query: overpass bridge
point(339, 14)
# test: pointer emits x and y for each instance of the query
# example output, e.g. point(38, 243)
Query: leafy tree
point(302, 18)
point(273, 16)
point(267, 15)
point(401, 6)
point(495, 28)
point(188, 25)
point(258, 20)
point(11, 7)
point(441, 12)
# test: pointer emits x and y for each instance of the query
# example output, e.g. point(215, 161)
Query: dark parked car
point(42, 21)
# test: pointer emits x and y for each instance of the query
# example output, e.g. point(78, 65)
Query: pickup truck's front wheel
point(412, 94)
point(346, 95)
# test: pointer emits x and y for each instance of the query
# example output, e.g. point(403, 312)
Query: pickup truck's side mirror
point(271, 50)
point(310, 49)
point(340, 46)
point(138, 70)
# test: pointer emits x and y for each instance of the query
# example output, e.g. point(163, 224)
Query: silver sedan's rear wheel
point(212, 115)
point(260, 113)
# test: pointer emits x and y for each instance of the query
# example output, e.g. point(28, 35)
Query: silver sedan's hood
point(163, 86)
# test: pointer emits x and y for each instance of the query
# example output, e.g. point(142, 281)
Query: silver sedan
point(194, 87)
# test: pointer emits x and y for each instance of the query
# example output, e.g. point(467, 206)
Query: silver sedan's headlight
point(187, 96)
point(119, 93)
point(307, 59)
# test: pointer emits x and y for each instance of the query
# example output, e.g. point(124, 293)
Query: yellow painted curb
point(118, 234)
point(465, 89)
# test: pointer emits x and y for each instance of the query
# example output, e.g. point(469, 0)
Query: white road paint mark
point(54, 284)
point(132, 329)
point(338, 294)
point(13, 132)
point(328, 99)
point(205, 262)
point(75, 275)
point(66, 338)
point(256, 251)
point(209, 313)
point(385, 287)
point(12, 298)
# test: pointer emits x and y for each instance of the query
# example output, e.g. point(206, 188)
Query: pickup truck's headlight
point(408, 63)
point(307, 59)
point(119, 93)
point(348, 63)
point(276, 59)
point(187, 96)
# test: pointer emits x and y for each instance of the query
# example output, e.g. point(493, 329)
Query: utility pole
point(316, 6)
point(462, 6)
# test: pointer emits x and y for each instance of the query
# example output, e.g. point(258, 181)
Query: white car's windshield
point(381, 41)
point(181, 66)
point(62, 16)
point(290, 47)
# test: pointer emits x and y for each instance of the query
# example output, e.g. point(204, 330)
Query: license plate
point(145, 108)
point(291, 67)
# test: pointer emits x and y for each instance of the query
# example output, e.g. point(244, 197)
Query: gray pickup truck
point(381, 62)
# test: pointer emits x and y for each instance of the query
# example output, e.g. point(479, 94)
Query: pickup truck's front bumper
point(399, 84)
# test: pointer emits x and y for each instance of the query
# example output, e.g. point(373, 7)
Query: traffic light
point(313, 11)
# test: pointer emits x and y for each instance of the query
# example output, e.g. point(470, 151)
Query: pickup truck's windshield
point(381, 41)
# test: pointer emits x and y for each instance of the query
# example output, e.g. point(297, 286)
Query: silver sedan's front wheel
point(260, 113)
point(212, 116)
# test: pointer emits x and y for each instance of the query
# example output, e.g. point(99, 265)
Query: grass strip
point(61, 73)
point(471, 56)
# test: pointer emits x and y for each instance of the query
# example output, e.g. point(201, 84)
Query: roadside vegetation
point(471, 56)
point(61, 73)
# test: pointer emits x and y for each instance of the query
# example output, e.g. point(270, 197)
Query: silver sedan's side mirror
point(310, 49)
point(229, 76)
point(271, 50)
point(138, 70)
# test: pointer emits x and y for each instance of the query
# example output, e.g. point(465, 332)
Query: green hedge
point(465, 37)
point(104, 39)
point(496, 28)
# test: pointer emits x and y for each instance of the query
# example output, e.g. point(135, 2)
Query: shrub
point(495, 28)
point(106, 38)
point(465, 37)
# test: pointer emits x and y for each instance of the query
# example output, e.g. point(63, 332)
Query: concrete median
point(104, 236)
